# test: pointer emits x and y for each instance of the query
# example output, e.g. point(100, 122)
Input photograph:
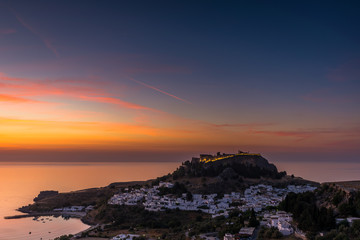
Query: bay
point(21, 182)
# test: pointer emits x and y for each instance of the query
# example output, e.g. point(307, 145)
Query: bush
point(64, 237)
point(267, 233)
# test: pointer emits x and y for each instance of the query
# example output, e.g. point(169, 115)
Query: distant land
point(348, 186)
point(94, 155)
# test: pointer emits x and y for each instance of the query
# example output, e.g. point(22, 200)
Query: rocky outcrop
point(45, 194)
point(228, 173)
point(255, 161)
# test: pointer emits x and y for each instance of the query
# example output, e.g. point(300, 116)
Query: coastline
point(226, 181)
point(79, 215)
point(51, 213)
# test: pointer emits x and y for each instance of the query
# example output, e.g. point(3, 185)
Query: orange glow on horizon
point(80, 114)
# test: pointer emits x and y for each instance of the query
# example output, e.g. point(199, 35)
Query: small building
point(285, 228)
point(246, 232)
point(125, 237)
point(229, 236)
point(352, 219)
point(166, 184)
point(209, 236)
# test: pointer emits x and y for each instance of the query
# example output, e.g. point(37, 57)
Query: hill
point(220, 173)
point(207, 174)
point(223, 173)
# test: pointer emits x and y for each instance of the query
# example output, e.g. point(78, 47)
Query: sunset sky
point(122, 80)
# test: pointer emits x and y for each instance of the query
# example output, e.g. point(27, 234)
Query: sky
point(165, 80)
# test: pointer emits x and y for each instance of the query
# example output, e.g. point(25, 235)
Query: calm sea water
point(21, 182)
point(322, 171)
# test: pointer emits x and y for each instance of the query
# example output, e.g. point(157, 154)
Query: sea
point(21, 182)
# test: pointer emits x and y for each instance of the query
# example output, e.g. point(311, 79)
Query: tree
point(267, 233)
point(341, 236)
point(253, 222)
point(140, 238)
point(189, 196)
point(64, 237)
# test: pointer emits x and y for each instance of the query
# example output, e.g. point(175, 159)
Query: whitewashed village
point(255, 198)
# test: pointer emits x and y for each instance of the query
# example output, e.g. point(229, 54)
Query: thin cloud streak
point(46, 41)
point(9, 98)
point(241, 125)
point(7, 78)
point(75, 89)
point(117, 101)
point(7, 31)
point(328, 96)
point(49, 45)
point(347, 72)
point(302, 134)
point(40, 87)
point(159, 90)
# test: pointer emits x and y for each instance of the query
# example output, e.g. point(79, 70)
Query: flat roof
point(247, 230)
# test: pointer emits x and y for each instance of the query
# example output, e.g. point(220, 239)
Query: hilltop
point(223, 173)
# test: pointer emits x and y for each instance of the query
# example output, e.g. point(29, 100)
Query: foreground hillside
point(333, 209)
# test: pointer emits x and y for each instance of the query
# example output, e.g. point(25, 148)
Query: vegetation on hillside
point(305, 211)
point(168, 224)
point(269, 233)
point(222, 225)
point(343, 232)
point(238, 169)
point(316, 212)
point(78, 198)
point(344, 203)
point(178, 189)
point(64, 237)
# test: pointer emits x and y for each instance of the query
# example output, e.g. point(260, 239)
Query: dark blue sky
point(292, 66)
